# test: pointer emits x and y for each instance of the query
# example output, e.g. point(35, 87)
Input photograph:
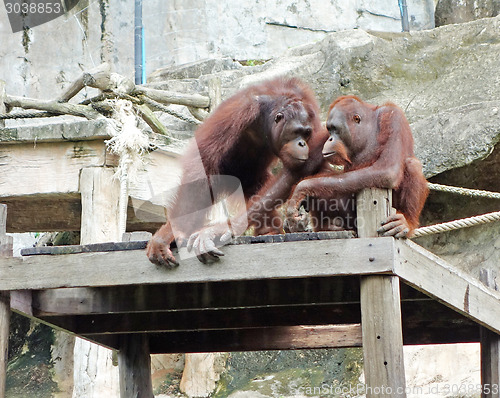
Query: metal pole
point(403, 9)
point(139, 53)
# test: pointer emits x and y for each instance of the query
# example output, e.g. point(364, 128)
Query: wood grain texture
point(453, 287)
point(135, 367)
point(241, 262)
point(100, 192)
point(272, 338)
point(4, 338)
point(5, 250)
point(380, 308)
point(47, 168)
point(490, 348)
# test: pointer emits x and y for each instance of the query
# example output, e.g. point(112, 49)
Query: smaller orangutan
point(374, 145)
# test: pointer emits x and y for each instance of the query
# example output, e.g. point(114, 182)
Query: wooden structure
point(378, 293)
point(52, 167)
point(330, 293)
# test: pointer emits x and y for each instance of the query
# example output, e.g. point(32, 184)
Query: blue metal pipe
point(139, 45)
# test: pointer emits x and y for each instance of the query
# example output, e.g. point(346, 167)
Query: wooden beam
point(451, 286)
point(43, 212)
point(135, 367)
point(192, 296)
point(5, 250)
point(235, 318)
point(380, 309)
point(241, 262)
point(48, 168)
point(254, 339)
point(490, 349)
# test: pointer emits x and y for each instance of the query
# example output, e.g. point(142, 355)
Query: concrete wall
point(41, 61)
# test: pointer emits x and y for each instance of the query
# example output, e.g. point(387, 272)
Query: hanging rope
point(26, 115)
point(462, 223)
point(171, 112)
point(464, 191)
point(452, 225)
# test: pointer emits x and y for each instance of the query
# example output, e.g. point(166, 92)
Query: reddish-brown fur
point(380, 147)
point(241, 139)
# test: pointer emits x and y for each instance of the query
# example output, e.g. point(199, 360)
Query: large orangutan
point(236, 145)
point(375, 146)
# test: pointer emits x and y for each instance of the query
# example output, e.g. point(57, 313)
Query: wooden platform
point(257, 297)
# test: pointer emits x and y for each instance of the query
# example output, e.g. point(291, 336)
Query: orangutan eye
point(356, 118)
point(278, 117)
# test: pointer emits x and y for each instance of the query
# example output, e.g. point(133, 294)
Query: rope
point(457, 224)
point(464, 191)
point(171, 112)
point(26, 115)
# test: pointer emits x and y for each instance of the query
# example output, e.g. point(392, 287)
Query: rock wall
point(37, 63)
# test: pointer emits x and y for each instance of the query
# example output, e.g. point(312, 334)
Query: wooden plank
point(244, 262)
point(135, 367)
point(430, 322)
point(47, 168)
point(141, 244)
point(235, 318)
point(192, 296)
point(380, 308)
point(453, 287)
point(275, 338)
point(490, 348)
point(90, 248)
point(43, 212)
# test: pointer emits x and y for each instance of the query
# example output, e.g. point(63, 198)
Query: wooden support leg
point(382, 337)
point(100, 193)
point(135, 367)
point(4, 338)
point(490, 350)
point(5, 250)
point(380, 309)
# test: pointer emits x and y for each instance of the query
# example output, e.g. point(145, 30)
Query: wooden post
point(135, 367)
point(490, 349)
point(5, 250)
point(100, 193)
point(380, 308)
point(3, 108)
